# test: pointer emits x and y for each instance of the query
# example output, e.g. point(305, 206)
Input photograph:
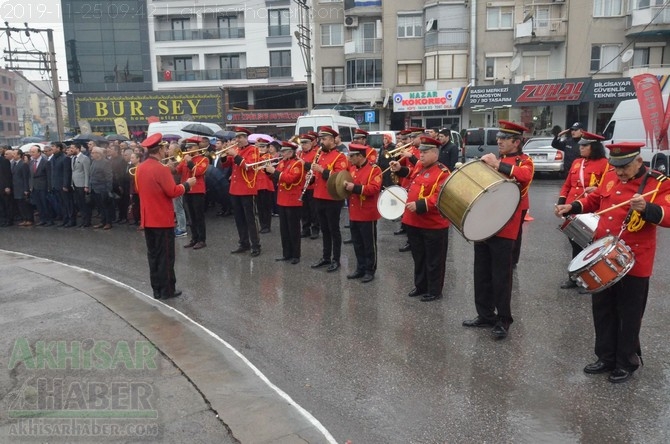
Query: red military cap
point(358, 148)
point(428, 143)
point(194, 139)
point(328, 131)
point(241, 131)
point(623, 153)
point(313, 134)
point(262, 141)
point(152, 141)
point(415, 131)
point(589, 138)
point(510, 129)
point(286, 145)
point(307, 137)
point(360, 133)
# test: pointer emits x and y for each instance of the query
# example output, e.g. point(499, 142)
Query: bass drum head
point(592, 253)
point(491, 211)
point(391, 202)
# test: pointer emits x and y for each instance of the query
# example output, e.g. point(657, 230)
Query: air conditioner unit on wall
point(350, 21)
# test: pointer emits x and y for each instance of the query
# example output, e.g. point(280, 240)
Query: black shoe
point(264, 231)
point(199, 245)
point(239, 249)
point(314, 235)
point(305, 234)
point(367, 278)
point(322, 262)
point(157, 295)
point(255, 253)
point(281, 259)
point(176, 294)
point(347, 226)
point(355, 275)
point(348, 241)
point(404, 248)
point(399, 232)
point(583, 290)
point(569, 284)
point(499, 331)
point(478, 322)
point(190, 244)
point(415, 293)
point(295, 260)
point(598, 367)
point(334, 266)
point(619, 375)
point(430, 297)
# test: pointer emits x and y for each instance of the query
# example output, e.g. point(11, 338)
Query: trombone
point(395, 152)
point(178, 156)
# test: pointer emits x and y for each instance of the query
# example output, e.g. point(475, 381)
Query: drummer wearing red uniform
point(583, 178)
point(618, 309)
point(290, 177)
point(427, 230)
point(194, 199)
point(243, 191)
point(363, 213)
point(330, 161)
point(156, 188)
point(494, 256)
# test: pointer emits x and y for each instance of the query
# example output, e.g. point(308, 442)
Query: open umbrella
point(171, 137)
point(118, 137)
point(89, 136)
point(225, 135)
point(256, 136)
point(32, 139)
point(198, 129)
point(26, 147)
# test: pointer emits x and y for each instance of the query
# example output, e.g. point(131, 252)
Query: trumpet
point(395, 152)
point(225, 148)
point(177, 156)
point(257, 166)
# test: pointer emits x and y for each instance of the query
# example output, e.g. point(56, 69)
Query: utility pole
point(46, 62)
point(303, 34)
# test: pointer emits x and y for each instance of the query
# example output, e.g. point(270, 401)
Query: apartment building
point(9, 116)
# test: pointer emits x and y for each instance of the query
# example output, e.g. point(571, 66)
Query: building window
point(605, 58)
point(497, 67)
point(446, 66)
point(364, 73)
point(280, 63)
point(332, 79)
point(409, 73)
point(230, 66)
point(179, 28)
point(410, 26)
point(332, 35)
point(607, 8)
point(278, 22)
point(229, 27)
point(641, 57)
point(499, 17)
point(536, 67)
point(183, 68)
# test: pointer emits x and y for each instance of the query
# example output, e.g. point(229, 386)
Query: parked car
point(545, 158)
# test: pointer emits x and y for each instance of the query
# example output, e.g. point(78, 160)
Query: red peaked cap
point(328, 131)
point(623, 153)
point(510, 128)
point(358, 148)
point(152, 140)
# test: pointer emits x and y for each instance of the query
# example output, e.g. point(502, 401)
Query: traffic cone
point(528, 217)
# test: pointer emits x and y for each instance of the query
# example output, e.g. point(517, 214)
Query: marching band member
point(157, 188)
point(266, 189)
point(618, 309)
point(361, 137)
point(243, 191)
point(310, 219)
point(408, 158)
point(289, 175)
point(584, 177)
point(363, 213)
point(194, 200)
point(328, 209)
point(494, 256)
point(427, 230)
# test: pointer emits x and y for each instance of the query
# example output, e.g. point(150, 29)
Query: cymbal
point(331, 186)
point(343, 176)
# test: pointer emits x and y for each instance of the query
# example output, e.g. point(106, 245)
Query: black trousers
point(517, 245)
point(364, 238)
point(264, 202)
point(122, 204)
point(105, 206)
point(493, 279)
point(328, 212)
point(25, 210)
point(6, 207)
point(135, 207)
point(195, 204)
point(67, 206)
point(617, 318)
point(245, 221)
point(160, 253)
point(83, 208)
point(309, 216)
point(39, 199)
point(429, 252)
point(289, 227)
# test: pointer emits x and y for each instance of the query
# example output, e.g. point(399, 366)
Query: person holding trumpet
point(290, 176)
point(265, 187)
point(243, 191)
point(363, 213)
point(618, 309)
point(427, 230)
point(196, 166)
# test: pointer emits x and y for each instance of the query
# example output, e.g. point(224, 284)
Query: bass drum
point(391, 202)
point(478, 200)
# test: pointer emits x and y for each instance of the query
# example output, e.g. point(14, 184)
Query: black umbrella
point(89, 136)
point(198, 129)
point(225, 135)
point(119, 137)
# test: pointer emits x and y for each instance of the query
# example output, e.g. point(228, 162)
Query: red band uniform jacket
point(424, 187)
point(156, 184)
point(290, 176)
point(332, 161)
point(583, 174)
point(363, 200)
point(243, 178)
point(263, 181)
point(521, 168)
point(197, 168)
point(308, 158)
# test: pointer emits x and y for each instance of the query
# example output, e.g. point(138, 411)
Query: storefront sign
point(136, 108)
point(428, 100)
point(549, 92)
point(492, 95)
point(610, 89)
point(270, 117)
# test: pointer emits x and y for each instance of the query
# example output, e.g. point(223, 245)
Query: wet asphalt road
point(375, 366)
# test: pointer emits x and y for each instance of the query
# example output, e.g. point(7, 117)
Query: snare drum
point(580, 228)
point(478, 200)
point(601, 264)
point(391, 202)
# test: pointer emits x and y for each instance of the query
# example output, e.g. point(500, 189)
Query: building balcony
point(332, 88)
point(446, 39)
point(535, 32)
point(653, 20)
point(363, 46)
point(659, 70)
point(202, 74)
point(199, 34)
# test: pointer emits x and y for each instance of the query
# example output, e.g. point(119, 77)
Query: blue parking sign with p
point(369, 116)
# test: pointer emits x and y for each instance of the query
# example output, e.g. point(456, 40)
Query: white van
point(175, 127)
point(626, 126)
point(327, 117)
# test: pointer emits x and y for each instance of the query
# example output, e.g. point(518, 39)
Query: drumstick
point(385, 170)
point(395, 195)
point(649, 193)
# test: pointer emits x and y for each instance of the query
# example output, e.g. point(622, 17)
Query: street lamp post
point(305, 43)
